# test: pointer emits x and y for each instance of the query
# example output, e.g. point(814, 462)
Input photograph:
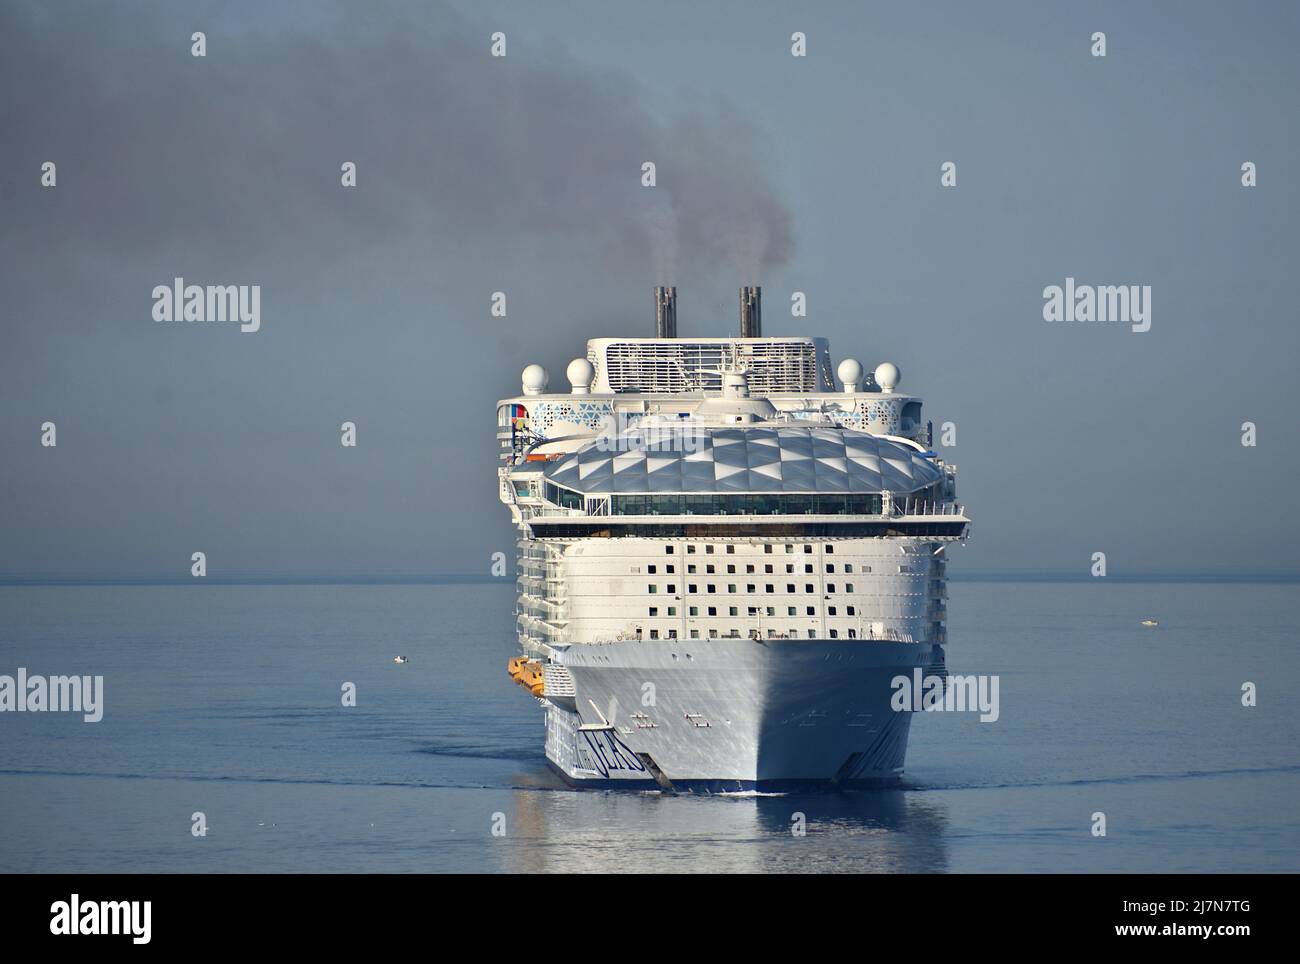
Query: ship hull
point(733, 714)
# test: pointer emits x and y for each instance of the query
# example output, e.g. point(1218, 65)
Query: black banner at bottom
point(336, 912)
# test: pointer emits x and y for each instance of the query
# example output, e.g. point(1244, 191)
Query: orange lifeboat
point(528, 674)
point(533, 678)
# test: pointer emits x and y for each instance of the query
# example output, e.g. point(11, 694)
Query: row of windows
point(768, 548)
point(710, 568)
point(799, 503)
point(771, 634)
point(753, 610)
point(709, 587)
point(757, 527)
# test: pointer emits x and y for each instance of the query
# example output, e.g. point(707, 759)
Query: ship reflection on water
point(884, 831)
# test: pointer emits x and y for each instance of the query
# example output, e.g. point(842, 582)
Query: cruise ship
point(725, 560)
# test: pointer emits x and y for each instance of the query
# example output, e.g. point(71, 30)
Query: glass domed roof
point(752, 459)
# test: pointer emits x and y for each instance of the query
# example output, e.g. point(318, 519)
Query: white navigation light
point(535, 380)
point(887, 376)
point(850, 372)
point(581, 373)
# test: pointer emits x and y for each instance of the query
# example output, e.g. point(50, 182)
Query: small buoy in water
point(400, 659)
point(1150, 622)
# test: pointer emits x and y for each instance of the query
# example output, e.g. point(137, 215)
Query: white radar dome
point(850, 372)
point(887, 376)
point(535, 380)
point(580, 372)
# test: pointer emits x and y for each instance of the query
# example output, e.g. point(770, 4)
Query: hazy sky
point(521, 174)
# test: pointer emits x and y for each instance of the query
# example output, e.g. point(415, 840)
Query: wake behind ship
point(723, 561)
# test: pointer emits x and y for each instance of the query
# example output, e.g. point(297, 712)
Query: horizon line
point(402, 578)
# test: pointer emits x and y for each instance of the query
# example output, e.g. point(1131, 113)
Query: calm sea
point(225, 700)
